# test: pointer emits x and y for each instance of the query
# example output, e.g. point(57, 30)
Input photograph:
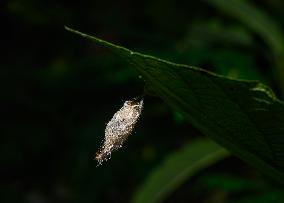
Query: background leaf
point(243, 116)
point(177, 168)
point(258, 21)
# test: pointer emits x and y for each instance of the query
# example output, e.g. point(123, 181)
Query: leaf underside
point(243, 116)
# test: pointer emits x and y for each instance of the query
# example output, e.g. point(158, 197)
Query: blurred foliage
point(177, 168)
point(58, 92)
point(259, 22)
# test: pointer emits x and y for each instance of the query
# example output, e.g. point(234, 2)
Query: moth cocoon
point(119, 128)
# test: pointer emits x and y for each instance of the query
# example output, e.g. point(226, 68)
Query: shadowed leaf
point(243, 116)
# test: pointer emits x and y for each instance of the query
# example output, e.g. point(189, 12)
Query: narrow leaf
point(177, 168)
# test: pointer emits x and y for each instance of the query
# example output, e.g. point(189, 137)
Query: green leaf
point(243, 116)
point(177, 168)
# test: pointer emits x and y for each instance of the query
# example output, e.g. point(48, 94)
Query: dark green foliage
point(177, 168)
point(58, 91)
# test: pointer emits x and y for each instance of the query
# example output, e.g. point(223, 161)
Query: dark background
point(59, 90)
